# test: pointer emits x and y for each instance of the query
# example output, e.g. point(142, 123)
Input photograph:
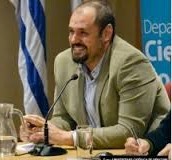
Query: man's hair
point(104, 14)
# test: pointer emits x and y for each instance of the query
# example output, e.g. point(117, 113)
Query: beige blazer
point(129, 94)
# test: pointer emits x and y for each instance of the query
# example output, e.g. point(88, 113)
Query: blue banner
point(156, 35)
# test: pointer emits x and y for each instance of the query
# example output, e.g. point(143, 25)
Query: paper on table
point(24, 148)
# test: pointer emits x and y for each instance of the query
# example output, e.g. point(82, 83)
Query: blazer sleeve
point(60, 116)
point(161, 136)
point(138, 90)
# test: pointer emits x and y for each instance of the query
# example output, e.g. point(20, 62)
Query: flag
point(75, 3)
point(32, 55)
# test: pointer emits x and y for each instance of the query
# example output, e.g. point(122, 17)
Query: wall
point(57, 13)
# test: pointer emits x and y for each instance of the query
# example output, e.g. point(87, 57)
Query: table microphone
point(46, 149)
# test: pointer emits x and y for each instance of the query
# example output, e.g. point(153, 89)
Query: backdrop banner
point(156, 35)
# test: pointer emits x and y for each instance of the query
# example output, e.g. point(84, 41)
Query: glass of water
point(7, 145)
point(84, 141)
point(8, 134)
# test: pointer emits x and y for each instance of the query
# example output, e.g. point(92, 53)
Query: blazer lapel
point(82, 111)
point(103, 76)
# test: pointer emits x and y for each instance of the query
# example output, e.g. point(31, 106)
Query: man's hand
point(56, 136)
point(35, 132)
point(132, 147)
point(166, 151)
point(33, 124)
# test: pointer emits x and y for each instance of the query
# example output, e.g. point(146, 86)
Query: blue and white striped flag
point(32, 55)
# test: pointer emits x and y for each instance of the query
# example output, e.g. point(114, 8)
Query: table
point(71, 153)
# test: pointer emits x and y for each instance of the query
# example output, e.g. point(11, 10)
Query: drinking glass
point(84, 141)
point(8, 134)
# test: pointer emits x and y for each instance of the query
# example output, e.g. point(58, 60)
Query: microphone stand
point(46, 149)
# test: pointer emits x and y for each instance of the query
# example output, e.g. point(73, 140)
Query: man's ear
point(107, 33)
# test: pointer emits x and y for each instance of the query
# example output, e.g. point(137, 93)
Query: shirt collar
point(94, 73)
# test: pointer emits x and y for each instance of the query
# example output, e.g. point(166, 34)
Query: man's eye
point(71, 31)
point(84, 33)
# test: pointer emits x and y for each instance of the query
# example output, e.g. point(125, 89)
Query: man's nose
point(74, 38)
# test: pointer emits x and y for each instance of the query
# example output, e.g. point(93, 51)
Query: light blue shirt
point(89, 94)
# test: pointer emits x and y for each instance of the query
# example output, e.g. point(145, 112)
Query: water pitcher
point(8, 134)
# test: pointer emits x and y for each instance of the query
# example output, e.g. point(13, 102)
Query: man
point(117, 87)
point(155, 142)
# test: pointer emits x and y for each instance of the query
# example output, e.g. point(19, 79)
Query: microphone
point(46, 149)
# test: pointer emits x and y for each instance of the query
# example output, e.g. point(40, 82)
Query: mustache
point(78, 45)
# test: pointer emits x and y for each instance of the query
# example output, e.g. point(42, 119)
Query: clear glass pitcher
point(8, 134)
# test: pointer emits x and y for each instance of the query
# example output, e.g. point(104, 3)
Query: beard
point(79, 53)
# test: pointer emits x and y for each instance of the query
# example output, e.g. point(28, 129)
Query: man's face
point(84, 37)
